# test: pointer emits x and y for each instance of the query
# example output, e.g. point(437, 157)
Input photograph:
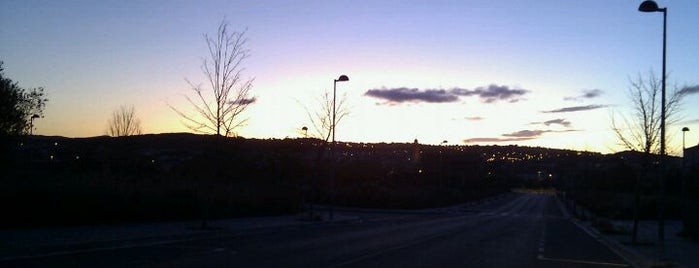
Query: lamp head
point(649, 6)
point(684, 129)
point(35, 116)
point(342, 78)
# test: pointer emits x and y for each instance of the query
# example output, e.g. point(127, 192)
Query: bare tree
point(640, 131)
point(220, 111)
point(321, 119)
point(124, 122)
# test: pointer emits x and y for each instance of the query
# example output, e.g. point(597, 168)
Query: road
point(518, 230)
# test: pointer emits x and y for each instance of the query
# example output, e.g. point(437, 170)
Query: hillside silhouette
point(68, 181)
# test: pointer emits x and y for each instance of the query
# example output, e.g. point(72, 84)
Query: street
point(517, 230)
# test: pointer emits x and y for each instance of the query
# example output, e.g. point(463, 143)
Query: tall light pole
point(684, 129)
point(684, 183)
point(342, 78)
point(651, 6)
point(31, 124)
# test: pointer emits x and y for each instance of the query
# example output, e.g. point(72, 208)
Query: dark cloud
point(689, 90)
point(586, 94)
point(399, 95)
point(489, 94)
point(576, 108)
point(244, 101)
point(559, 121)
point(492, 93)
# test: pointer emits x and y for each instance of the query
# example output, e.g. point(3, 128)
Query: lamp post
point(31, 124)
point(651, 6)
point(684, 182)
point(342, 78)
point(684, 129)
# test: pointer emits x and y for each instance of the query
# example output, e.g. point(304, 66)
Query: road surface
point(518, 230)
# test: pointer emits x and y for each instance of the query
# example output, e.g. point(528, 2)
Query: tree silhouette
point(220, 111)
point(640, 131)
point(124, 122)
point(18, 106)
point(321, 119)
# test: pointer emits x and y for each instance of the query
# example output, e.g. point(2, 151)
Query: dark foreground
point(521, 230)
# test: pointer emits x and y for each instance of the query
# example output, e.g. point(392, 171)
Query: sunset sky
point(537, 73)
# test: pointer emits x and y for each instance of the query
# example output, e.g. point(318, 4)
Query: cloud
point(521, 135)
point(474, 118)
point(484, 140)
point(526, 133)
point(586, 94)
point(689, 90)
point(489, 94)
point(400, 95)
point(576, 108)
point(244, 101)
point(559, 121)
point(492, 93)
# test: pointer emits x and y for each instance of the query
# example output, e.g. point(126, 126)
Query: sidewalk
point(679, 251)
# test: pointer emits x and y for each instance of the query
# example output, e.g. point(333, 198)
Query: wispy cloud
point(474, 118)
point(489, 94)
point(494, 140)
point(689, 90)
point(521, 135)
point(576, 108)
point(559, 121)
point(526, 133)
point(586, 94)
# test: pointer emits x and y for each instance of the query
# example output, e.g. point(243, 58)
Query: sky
point(533, 73)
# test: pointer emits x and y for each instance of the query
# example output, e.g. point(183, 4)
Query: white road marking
point(541, 257)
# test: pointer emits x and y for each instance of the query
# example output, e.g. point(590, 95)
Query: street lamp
point(684, 183)
point(651, 6)
point(31, 123)
point(684, 129)
point(342, 78)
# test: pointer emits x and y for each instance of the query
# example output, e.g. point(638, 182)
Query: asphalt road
point(520, 230)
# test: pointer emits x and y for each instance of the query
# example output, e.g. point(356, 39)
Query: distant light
point(77, 157)
point(51, 157)
point(152, 160)
point(55, 144)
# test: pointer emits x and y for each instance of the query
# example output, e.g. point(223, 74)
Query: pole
point(661, 189)
point(684, 184)
point(332, 154)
